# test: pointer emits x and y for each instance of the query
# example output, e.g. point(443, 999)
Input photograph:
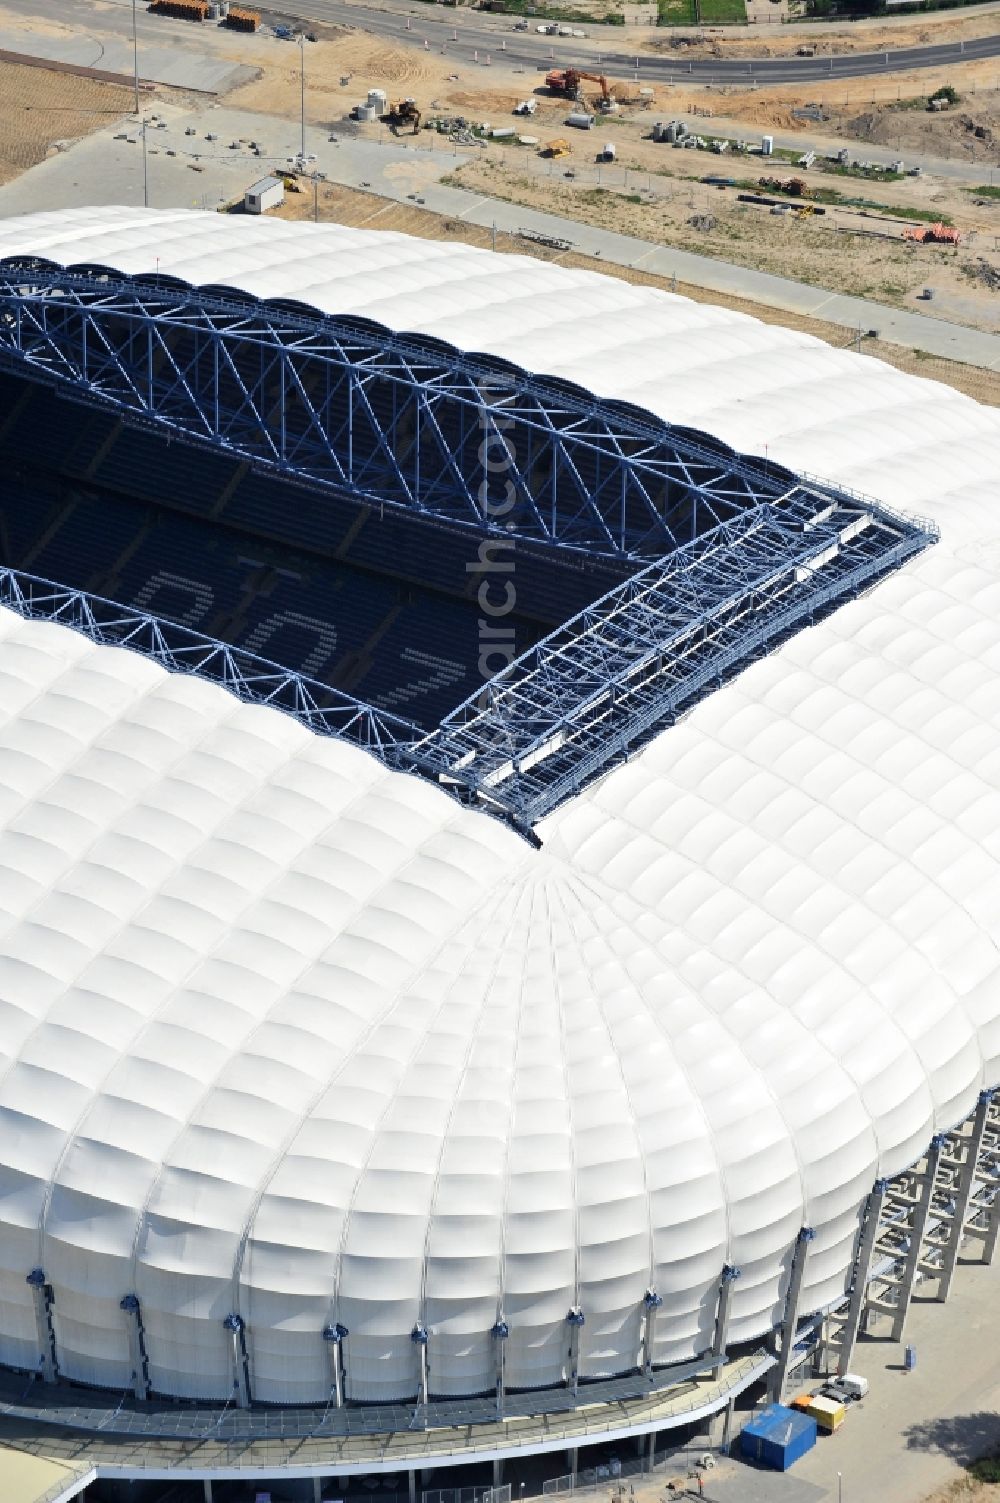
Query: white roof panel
point(282, 1031)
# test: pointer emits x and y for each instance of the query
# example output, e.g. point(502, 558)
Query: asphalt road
point(471, 36)
point(463, 35)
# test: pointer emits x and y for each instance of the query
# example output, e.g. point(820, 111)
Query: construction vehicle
point(404, 112)
point(241, 20)
point(567, 81)
point(290, 184)
point(556, 149)
point(183, 10)
point(932, 234)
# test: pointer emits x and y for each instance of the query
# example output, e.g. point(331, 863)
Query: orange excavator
point(567, 81)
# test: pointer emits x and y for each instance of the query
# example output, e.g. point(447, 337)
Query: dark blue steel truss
point(738, 554)
point(593, 692)
point(387, 418)
point(329, 712)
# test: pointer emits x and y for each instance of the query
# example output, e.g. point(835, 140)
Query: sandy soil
point(862, 253)
point(346, 206)
point(439, 81)
point(341, 70)
point(41, 110)
point(653, 191)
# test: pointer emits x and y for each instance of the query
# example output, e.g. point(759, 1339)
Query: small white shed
point(266, 194)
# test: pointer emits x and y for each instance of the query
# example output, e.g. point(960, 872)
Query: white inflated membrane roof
point(282, 1031)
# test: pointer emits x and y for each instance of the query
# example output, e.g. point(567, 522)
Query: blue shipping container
point(778, 1437)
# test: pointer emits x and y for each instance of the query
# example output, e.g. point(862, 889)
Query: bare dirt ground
point(341, 70)
point(347, 206)
point(41, 110)
point(653, 191)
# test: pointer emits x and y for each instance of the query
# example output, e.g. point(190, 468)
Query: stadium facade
point(532, 882)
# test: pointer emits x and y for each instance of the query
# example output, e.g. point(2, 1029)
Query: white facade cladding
point(288, 1036)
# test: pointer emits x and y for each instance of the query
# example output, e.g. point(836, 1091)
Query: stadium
point(500, 841)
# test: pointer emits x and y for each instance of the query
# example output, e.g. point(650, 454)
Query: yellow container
point(828, 1413)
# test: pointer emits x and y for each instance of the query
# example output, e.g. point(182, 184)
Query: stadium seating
point(372, 600)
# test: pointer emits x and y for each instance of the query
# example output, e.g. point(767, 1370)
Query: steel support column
point(136, 1347)
point(575, 1319)
point(236, 1327)
point(420, 1336)
point(918, 1228)
point(651, 1303)
point(726, 1281)
point(859, 1287)
point(790, 1319)
point(972, 1149)
point(500, 1333)
point(334, 1336)
point(45, 1336)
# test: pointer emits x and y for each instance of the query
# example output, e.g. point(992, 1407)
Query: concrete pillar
point(727, 1427)
point(862, 1267)
point(790, 1320)
point(411, 1480)
point(726, 1281)
point(207, 1485)
point(41, 1296)
point(317, 1490)
point(572, 1463)
point(918, 1226)
point(966, 1184)
point(650, 1450)
point(497, 1470)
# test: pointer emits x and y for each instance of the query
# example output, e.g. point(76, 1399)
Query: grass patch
point(871, 174)
point(914, 102)
point(985, 190)
point(986, 1469)
point(675, 13)
point(834, 198)
point(542, 12)
point(721, 12)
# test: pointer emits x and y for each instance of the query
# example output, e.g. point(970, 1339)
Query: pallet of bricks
point(185, 10)
point(242, 20)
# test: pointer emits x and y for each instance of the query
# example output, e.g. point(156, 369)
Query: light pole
point(135, 57)
point(145, 172)
point(302, 108)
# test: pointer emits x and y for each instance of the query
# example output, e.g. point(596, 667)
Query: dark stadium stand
point(369, 600)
